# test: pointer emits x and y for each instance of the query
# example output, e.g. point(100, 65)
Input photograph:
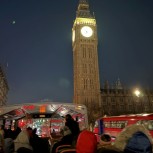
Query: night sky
point(36, 46)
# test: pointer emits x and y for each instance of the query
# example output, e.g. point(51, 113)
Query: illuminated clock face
point(86, 31)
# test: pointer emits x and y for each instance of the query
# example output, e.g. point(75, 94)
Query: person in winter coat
point(138, 143)
point(73, 126)
point(67, 139)
point(22, 141)
point(8, 142)
point(134, 139)
point(86, 143)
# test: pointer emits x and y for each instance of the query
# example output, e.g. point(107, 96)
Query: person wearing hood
point(134, 139)
point(73, 126)
point(22, 141)
point(86, 143)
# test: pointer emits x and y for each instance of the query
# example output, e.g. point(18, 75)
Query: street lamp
point(137, 92)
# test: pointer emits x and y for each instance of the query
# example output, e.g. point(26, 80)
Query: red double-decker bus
point(113, 125)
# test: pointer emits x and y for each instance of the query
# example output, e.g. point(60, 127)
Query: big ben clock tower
point(85, 60)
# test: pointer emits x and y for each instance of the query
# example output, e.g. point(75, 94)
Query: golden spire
point(83, 10)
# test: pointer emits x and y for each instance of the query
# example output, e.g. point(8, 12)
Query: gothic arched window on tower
point(112, 99)
point(91, 68)
point(104, 100)
point(121, 99)
point(91, 84)
point(84, 68)
point(122, 107)
point(129, 107)
point(85, 83)
point(84, 52)
point(90, 52)
point(86, 101)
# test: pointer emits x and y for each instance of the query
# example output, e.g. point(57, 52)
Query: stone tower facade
point(85, 60)
point(3, 87)
point(109, 100)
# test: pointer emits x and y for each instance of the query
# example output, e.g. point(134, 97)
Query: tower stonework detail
point(3, 87)
point(85, 60)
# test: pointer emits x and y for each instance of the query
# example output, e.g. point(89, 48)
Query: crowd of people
point(133, 139)
point(69, 133)
point(22, 141)
point(27, 141)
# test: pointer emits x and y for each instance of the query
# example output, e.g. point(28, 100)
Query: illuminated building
point(107, 100)
point(85, 59)
point(3, 88)
point(119, 100)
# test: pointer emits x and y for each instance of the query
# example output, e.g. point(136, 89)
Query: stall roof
point(18, 111)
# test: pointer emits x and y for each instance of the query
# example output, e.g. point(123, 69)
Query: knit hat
point(86, 143)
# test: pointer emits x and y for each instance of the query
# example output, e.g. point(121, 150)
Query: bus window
point(107, 124)
point(139, 122)
point(147, 123)
point(115, 124)
point(150, 125)
point(96, 124)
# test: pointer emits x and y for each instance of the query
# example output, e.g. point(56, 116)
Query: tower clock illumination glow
point(73, 36)
point(85, 59)
point(86, 31)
